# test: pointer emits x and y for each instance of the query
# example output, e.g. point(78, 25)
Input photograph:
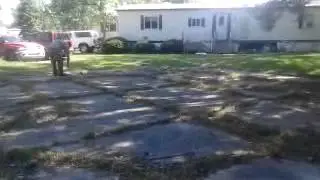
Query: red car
point(13, 48)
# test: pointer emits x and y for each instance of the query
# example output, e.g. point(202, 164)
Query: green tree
point(73, 14)
point(27, 16)
point(269, 12)
point(47, 20)
point(86, 14)
point(298, 7)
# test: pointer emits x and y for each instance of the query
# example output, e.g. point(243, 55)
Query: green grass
point(308, 64)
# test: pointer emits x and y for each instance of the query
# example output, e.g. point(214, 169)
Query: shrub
point(145, 48)
point(172, 46)
point(115, 45)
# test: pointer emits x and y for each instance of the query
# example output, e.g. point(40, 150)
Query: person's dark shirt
point(57, 46)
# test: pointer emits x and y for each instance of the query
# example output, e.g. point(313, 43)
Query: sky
point(6, 13)
point(7, 5)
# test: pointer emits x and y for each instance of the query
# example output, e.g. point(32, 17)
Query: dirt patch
point(269, 168)
point(18, 161)
point(27, 87)
point(300, 143)
point(296, 144)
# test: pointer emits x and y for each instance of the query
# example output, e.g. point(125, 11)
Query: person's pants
point(68, 59)
point(66, 56)
point(57, 64)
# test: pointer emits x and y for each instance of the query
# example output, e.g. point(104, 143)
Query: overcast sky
point(5, 13)
point(7, 5)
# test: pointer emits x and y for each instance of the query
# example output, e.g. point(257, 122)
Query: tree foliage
point(298, 7)
point(73, 14)
point(70, 14)
point(269, 12)
point(27, 16)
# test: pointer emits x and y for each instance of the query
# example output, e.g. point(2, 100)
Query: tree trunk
point(102, 18)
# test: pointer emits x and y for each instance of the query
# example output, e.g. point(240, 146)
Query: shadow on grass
point(128, 61)
point(9, 68)
point(308, 64)
point(277, 63)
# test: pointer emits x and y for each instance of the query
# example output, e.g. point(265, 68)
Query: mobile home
point(217, 29)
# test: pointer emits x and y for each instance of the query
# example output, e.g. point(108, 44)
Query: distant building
point(14, 32)
point(3, 30)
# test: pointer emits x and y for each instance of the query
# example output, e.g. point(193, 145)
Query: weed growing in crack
point(301, 143)
point(26, 87)
point(134, 168)
point(90, 136)
point(18, 160)
point(250, 131)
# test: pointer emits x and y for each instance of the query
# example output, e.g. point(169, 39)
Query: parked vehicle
point(84, 41)
point(14, 32)
point(13, 48)
point(47, 37)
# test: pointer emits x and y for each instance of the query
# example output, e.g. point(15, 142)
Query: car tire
point(84, 48)
point(12, 56)
point(46, 56)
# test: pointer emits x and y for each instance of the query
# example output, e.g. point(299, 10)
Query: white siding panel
point(174, 25)
point(243, 27)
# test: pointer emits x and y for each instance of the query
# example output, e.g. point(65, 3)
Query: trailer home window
point(151, 22)
point(221, 21)
point(196, 22)
point(112, 27)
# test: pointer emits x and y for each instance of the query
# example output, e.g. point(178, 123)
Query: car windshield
point(63, 36)
point(10, 39)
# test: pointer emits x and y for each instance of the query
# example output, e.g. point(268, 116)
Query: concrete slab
point(22, 91)
point(266, 169)
point(185, 98)
point(69, 173)
point(32, 78)
point(164, 143)
point(125, 83)
point(278, 116)
point(62, 89)
point(11, 94)
point(195, 77)
point(102, 114)
point(134, 73)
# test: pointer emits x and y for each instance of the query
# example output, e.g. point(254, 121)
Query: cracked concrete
point(165, 143)
point(264, 169)
point(103, 113)
point(104, 122)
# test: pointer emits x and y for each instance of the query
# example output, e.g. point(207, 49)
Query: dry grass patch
point(40, 113)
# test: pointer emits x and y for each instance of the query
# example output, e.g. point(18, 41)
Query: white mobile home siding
point(174, 25)
point(244, 27)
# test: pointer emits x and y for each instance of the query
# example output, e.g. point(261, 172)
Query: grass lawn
point(301, 64)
